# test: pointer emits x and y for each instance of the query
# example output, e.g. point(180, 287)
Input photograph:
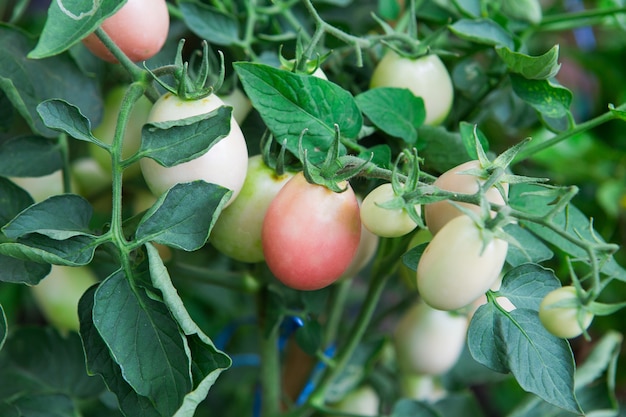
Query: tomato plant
point(459, 265)
point(224, 164)
point(426, 77)
point(565, 321)
point(310, 234)
point(222, 285)
point(138, 28)
point(237, 232)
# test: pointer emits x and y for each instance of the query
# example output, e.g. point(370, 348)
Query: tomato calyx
point(301, 64)
point(331, 174)
point(188, 83)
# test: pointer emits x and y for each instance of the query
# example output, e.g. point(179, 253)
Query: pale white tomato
point(224, 164)
point(564, 322)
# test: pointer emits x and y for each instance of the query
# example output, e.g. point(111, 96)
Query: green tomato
point(57, 295)
point(362, 401)
point(237, 232)
point(440, 213)
point(566, 321)
point(459, 265)
point(382, 221)
point(105, 131)
point(428, 341)
point(426, 77)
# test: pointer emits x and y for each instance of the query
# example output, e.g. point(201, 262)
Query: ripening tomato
point(57, 295)
point(225, 163)
point(310, 234)
point(439, 213)
point(459, 265)
point(139, 29)
point(382, 221)
point(237, 232)
point(426, 77)
point(428, 341)
point(564, 322)
point(368, 244)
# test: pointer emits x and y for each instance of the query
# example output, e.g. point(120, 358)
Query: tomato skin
point(57, 295)
point(310, 234)
point(428, 341)
point(105, 131)
point(237, 232)
point(224, 164)
point(139, 29)
point(426, 77)
point(385, 222)
point(455, 269)
point(439, 213)
point(239, 102)
point(368, 244)
point(562, 321)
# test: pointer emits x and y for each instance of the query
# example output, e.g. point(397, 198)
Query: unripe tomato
point(426, 77)
point(132, 135)
point(237, 232)
point(139, 29)
point(224, 164)
point(362, 401)
point(457, 266)
point(439, 213)
point(385, 222)
point(428, 341)
point(310, 234)
point(563, 321)
point(57, 295)
point(40, 188)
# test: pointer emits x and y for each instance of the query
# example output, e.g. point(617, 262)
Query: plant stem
point(582, 127)
point(270, 361)
point(65, 156)
point(243, 282)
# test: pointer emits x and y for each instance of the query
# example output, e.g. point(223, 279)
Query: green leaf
point(542, 364)
point(483, 31)
point(13, 199)
point(174, 142)
point(533, 199)
point(28, 82)
point(69, 21)
point(184, 216)
point(144, 340)
point(469, 132)
point(207, 362)
point(8, 410)
point(309, 336)
point(552, 101)
point(74, 251)
point(481, 338)
point(209, 23)
point(459, 404)
point(395, 111)
point(58, 217)
point(291, 103)
point(595, 384)
point(54, 363)
point(412, 257)
point(65, 117)
point(29, 156)
point(441, 149)
point(526, 285)
point(528, 11)
point(411, 408)
point(540, 67)
point(99, 361)
point(530, 250)
point(22, 271)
